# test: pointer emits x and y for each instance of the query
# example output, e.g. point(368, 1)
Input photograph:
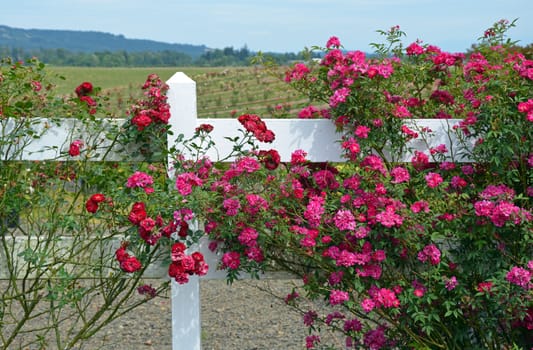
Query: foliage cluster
point(226, 57)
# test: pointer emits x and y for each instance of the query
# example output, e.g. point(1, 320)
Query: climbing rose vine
point(432, 251)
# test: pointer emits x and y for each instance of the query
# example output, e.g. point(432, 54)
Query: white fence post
point(182, 100)
point(186, 325)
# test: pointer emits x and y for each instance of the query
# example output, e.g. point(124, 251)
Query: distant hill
point(99, 49)
point(87, 41)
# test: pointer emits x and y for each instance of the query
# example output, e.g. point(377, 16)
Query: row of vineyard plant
point(222, 92)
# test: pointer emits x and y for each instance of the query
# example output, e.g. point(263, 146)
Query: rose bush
point(73, 228)
point(432, 253)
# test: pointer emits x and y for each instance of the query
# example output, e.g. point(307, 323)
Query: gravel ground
point(238, 317)
point(248, 315)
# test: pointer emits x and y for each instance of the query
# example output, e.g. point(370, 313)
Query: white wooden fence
point(317, 137)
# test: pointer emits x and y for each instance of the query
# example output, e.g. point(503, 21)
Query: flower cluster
point(252, 123)
point(151, 216)
point(142, 180)
point(84, 92)
point(75, 148)
point(147, 126)
point(148, 228)
point(368, 92)
point(152, 228)
point(153, 110)
point(497, 204)
point(527, 107)
point(147, 290)
point(520, 277)
point(183, 265)
point(92, 203)
point(127, 262)
point(425, 252)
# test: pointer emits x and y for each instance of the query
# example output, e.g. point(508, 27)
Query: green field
point(222, 92)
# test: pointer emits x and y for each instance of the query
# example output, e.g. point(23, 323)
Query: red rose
point(270, 158)
point(161, 115)
point(74, 150)
point(265, 136)
point(84, 89)
point(207, 128)
point(97, 197)
point(249, 121)
point(176, 270)
point(201, 268)
point(253, 123)
point(178, 247)
point(91, 206)
point(259, 127)
point(197, 256)
point(92, 203)
point(121, 254)
point(137, 213)
point(88, 100)
point(130, 264)
point(149, 237)
point(147, 224)
point(75, 147)
point(188, 263)
point(184, 227)
point(147, 290)
point(169, 229)
point(141, 120)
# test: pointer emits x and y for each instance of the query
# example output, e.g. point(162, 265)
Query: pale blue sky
point(276, 25)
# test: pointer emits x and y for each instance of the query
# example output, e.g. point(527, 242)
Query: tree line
point(227, 56)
